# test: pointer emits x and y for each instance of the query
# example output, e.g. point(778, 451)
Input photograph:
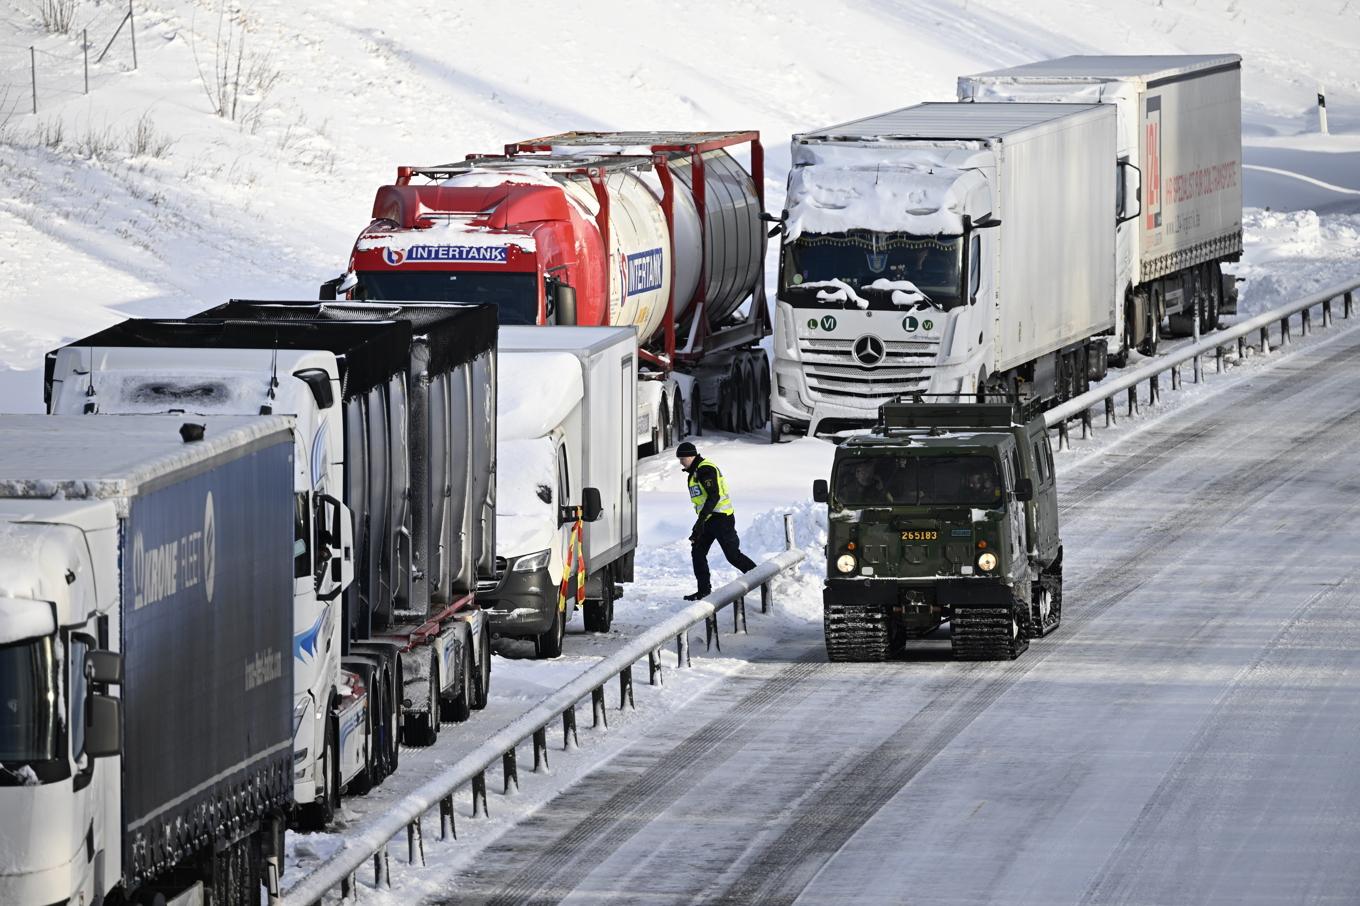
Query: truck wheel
point(368, 776)
point(394, 719)
point(598, 613)
point(482, 689)
point(776, 429)
point(235, 874)
point(696, 413)
point(319, 813)
point(459, 708)
point(1153, 339)
point(678, 428)
point(548, 644)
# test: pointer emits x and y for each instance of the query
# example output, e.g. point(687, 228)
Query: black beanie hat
point(685, 449)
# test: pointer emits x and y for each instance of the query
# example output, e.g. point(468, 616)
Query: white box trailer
point(1180, 135)
point(945, 249)
point(567, 465)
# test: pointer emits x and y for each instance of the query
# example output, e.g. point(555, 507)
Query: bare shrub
point(240, 81)
point(57, 15)
point(50, 134)
point(144, 140)
point(96, 142)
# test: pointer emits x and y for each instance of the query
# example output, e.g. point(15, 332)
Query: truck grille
point(832, 372)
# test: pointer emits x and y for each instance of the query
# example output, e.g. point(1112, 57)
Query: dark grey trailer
point(192, 577)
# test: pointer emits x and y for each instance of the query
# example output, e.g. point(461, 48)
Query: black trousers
point(721, 528)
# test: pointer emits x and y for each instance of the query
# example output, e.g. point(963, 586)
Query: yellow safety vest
point(698, 495)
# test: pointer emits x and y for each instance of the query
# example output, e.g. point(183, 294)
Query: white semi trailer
point(146, 700)
point(944, 249)
point(567, 479)
point(1179, 148)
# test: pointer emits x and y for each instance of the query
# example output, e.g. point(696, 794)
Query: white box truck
point(1180, 152)
point(944, 249)
point(146, 700)
point(567, 472)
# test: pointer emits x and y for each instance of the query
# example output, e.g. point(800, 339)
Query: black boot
point(698, 595)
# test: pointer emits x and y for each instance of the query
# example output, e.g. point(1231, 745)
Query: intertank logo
point(165, 568)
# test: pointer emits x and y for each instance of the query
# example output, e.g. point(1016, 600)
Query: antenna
point(269, 395)
point(91, 406)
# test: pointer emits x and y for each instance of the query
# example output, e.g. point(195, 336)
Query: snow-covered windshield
point(880, 480)
point(515, 294)
point(28, 702)
point(860, 258)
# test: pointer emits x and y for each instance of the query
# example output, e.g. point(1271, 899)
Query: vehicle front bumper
point(522, 604)
point(943, 593)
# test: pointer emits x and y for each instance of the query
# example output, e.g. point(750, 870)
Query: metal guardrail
point(369, 844)
point(1080, 407)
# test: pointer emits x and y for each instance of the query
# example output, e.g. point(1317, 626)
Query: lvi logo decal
point(394, 257)
point(828, 322)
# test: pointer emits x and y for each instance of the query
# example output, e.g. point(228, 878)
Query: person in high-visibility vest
point(716, 520)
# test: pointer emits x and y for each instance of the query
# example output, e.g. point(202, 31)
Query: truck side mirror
point(328, 289)
point(104, 667)
point(103, 726)
point(591, 508)
point(1024, 490)
point(566, 304)
point(1130, 193)
point(820, 492)
point(319, 382)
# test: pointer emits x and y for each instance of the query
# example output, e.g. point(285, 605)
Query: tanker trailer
point(656, 231)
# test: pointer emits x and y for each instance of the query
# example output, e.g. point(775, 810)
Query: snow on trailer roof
point(112, 456)
point(562, 339)
point(660, 141)
point(950, 121)
point(1150, 68)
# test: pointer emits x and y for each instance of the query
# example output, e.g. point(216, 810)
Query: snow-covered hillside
point(96, 224)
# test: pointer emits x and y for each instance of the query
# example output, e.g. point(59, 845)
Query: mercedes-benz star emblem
point(869, 350)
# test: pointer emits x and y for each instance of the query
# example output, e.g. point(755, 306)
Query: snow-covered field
point(98, 222)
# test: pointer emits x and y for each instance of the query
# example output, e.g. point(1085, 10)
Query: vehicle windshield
point(861, 257)
point(884, 480)
point(28, 702)
point(515, 294)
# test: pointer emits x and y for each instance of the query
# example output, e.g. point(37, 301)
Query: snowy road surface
point(1188, 736)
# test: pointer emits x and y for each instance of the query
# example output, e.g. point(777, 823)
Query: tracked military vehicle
point(946, 512)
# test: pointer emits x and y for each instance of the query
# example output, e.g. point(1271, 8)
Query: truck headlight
point(299, 715)
point(846, 563)
point(531, 562)
point(986, 561)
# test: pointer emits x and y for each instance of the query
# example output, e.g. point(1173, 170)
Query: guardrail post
point(510, 771)
point(682, 650)
point(448, 825)
point(540, 749)
point(1111, 419)
point(1086, 430)
point(1154, 389)
point(1285, 339)
point(349, 888)
point(1064, 442)
point(626, 688)
point(415, 843)
point(479, 794)
point(569, 740)
point(1218, 359)
point(1194, 334)
point(1305, 321)
point(1265, 340)
point(1346, 302)
point(654, 676)
point(1241, 350)
point(765, 597)
point(382, 869)
point(1327, 313)
point(1175, 377)
point(597, 708)
point(711, 632)
point(1133, 401)
point(788, 526)
point(739, 615)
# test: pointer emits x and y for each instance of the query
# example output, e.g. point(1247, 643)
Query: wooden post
point(85, 46)
point(33, 75)
point(132, 30)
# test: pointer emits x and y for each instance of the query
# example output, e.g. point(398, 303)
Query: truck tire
point(548, 644)
point(678, 427)
point(459, 708)
point(481, 691)
point(696, 412)
point(235, 873)
point(369, 776)
point(598, 613)
point(318, 814)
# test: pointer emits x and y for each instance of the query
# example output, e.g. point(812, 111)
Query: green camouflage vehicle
point(946, 512)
